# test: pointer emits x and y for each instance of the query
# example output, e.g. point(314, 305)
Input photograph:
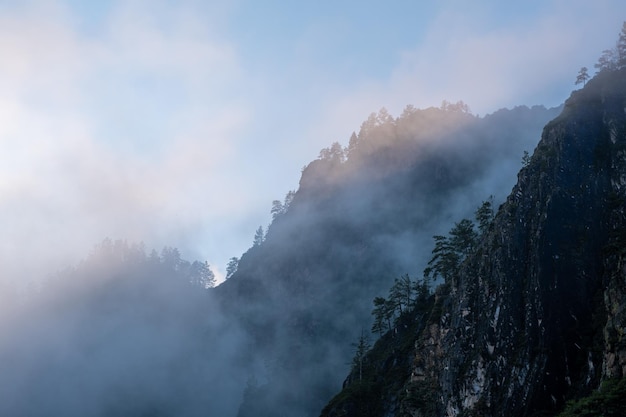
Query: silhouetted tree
point(259, 236)
point(200, 275)
point(170, 257)
point(459, 106)
point(401, 293)
point(288, 199)
point(360, 350)
point(484, 215)
point(352, 144)
point(422, 289)
point(231, 267)
point(450, 251)
point(383, 117)
point(277, 209)
point(583, 76)
point(463, 237)
point(383, 313)
point(525, 159)
point(334, 153)
point(621, 48)
point(607, 61)
point(445, 260)
point(408, 111)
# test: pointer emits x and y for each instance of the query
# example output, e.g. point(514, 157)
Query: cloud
point(125, 133)
point(157, 122)
point(479, 54)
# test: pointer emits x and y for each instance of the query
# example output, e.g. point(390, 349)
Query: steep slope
point(535, 315)
point(361, 217)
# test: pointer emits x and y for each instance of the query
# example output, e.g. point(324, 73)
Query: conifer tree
point(484, 215)
point(621, 48)
point(360, 351)
point(583, 76)
point(231, 267)
point(401, 293)
point(259, 236)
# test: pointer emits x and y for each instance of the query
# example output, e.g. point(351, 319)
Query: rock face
point(537, 313)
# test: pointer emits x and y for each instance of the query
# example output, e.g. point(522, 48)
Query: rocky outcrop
point(525, 320)
point(537, 314)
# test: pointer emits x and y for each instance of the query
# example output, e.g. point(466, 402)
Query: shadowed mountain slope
point(361, 217)
point(534, 315)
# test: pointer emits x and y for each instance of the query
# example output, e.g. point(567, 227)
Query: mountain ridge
point(534, 316)
point(354, 225)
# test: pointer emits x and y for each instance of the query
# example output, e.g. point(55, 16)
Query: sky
point(176, 123)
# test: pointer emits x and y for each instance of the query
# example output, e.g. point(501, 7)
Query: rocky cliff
point(535, 315)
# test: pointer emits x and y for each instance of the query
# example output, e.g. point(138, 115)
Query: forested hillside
point(363, 216)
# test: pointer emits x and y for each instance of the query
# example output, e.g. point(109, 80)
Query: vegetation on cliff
point(530, 314)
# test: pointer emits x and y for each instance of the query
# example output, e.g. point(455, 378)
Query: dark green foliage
point(450, 251)
point(608, 401)
point(445, 260)
point(379, 374)
point(401, 293)
point(463, 238)
point(484, 215)
point(404, 295)
point(360, 399)
point(383, 313)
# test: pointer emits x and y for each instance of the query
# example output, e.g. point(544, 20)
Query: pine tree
point(231, 267)
point(583, 76)
point(484, 215)
point(401, 293)
point(360, 351)
point(383, 313)
point(259, 236)
point(621, 48)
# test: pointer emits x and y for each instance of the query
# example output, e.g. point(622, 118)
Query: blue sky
point(178, 122)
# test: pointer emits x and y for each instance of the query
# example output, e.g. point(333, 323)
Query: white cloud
point(151, 126)
point(466, 55)
point(69, 176)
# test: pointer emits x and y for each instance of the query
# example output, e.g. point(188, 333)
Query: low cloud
point(125, 134)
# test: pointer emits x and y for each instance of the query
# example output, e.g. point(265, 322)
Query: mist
point(133, 331)
point(362, 216)
point(171, 125)
point(123, 333)
point(132, 126)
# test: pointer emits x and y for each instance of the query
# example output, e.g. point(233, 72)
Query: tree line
point(449, 253)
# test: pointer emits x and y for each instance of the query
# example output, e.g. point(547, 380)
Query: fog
point(161, 125)
point(172, 124)
point(357, 222)
point(124, 333)
point(132, 331)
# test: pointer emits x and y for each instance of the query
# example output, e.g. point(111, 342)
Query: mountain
point(131, 333)
point(532, 315)
point(362, 217)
